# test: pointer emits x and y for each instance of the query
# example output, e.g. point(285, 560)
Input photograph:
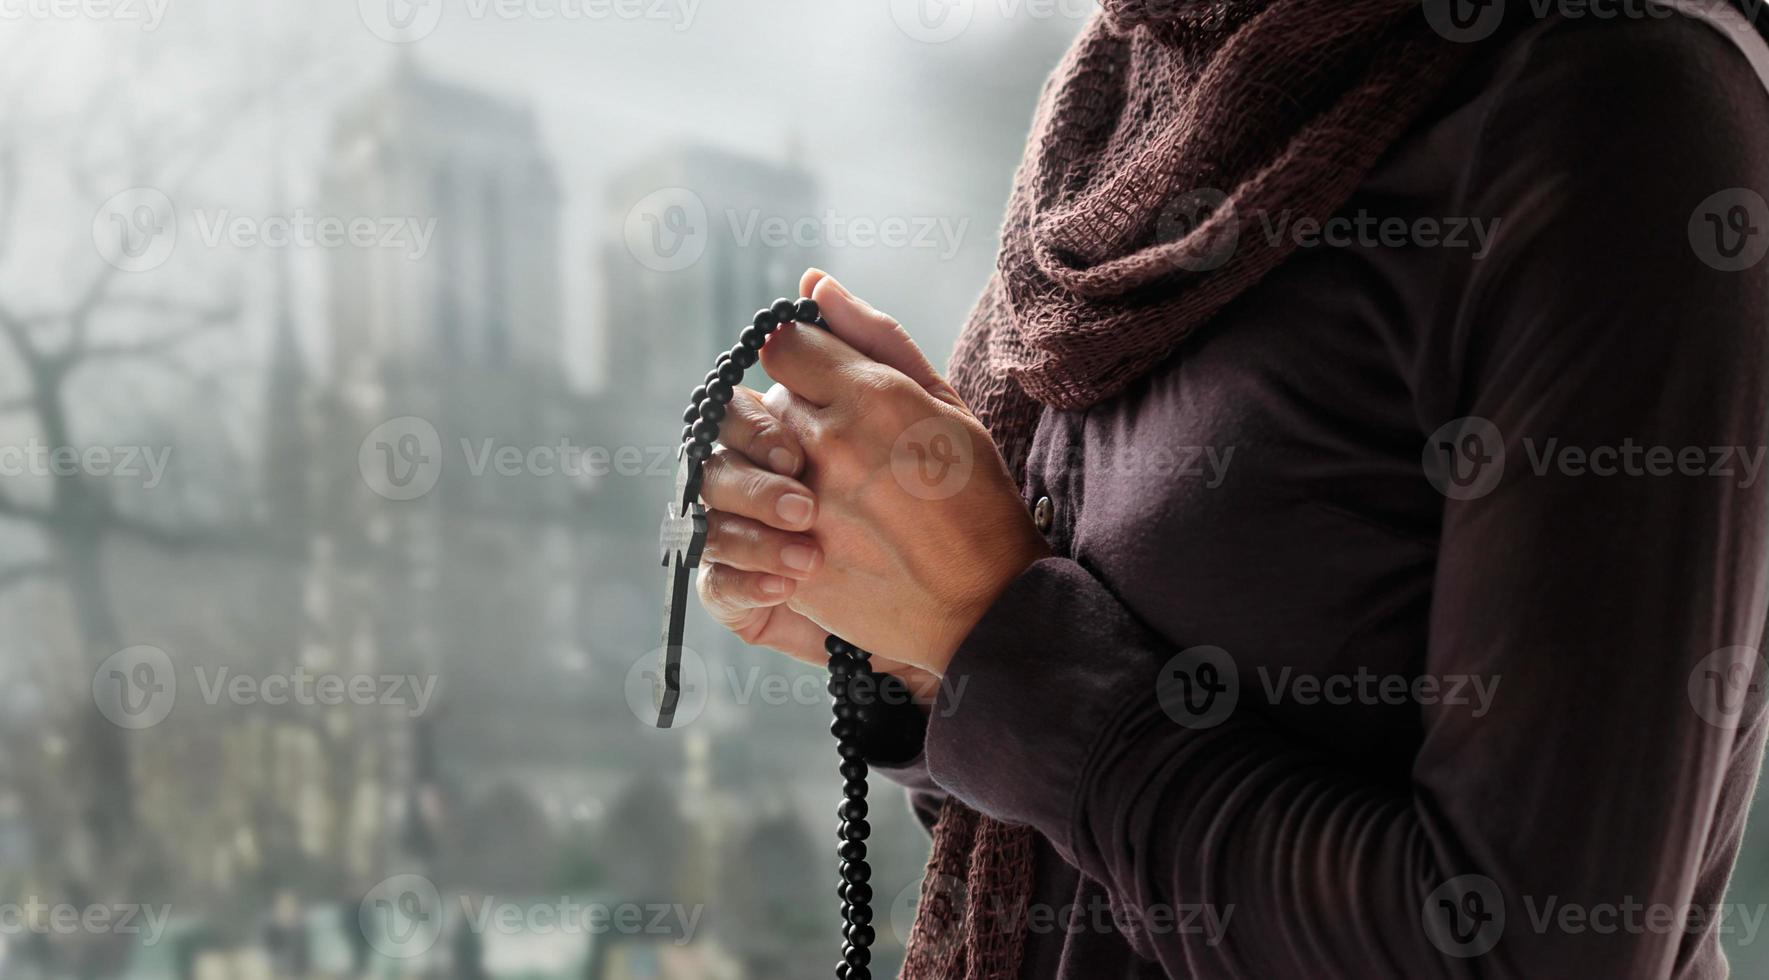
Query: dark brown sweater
point(1464, 721)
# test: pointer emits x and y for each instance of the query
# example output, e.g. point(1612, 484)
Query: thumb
point(874, 334)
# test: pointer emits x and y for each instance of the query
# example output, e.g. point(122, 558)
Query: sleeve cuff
point(1036, 684)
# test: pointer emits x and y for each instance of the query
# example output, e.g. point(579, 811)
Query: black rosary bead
point(852, 850)
point(782, 309)
point(856, 892)
point(765, 321)
point(691, 414)
point(698, 395)
point(853, 770)
point(744, 357)
point(860, 915)
point(705, 431)
point(844, 728)
point(805, 310)
point(687, 433)
point(719, 391)
point(859, 935)
point(853, 830)
point(699, 451)
point(854, 789)
point(855, 873)
point(711, 411)
point(835, 646)
point(730, 373)
point(848, 751)
point(753, 338)
point(856, 955)
point(852, 809)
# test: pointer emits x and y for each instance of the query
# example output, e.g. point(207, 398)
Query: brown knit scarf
point(1168, 130)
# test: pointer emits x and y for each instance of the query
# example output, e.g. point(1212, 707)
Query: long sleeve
point(1599, 599)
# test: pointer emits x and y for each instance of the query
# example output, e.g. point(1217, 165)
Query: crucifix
point(681, 538)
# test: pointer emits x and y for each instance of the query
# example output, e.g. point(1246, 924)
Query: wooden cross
point(681, 538)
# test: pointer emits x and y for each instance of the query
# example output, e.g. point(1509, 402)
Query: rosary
point(863, 699)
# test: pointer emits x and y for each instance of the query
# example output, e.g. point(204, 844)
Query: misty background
point(342, 351)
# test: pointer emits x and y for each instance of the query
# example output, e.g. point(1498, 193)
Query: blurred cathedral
point(524, 596)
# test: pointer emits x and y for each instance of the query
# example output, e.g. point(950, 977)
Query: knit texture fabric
point(1168, 138)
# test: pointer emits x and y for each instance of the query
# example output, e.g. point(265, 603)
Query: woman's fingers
point(817, 365)
point(752, 546)
point(727, 591)
point(874, 334)
point(746, 604)
point(748, 428)
point(735, 485)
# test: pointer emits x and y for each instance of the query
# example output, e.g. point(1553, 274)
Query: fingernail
point(794, 508)
point(798, 557)
point(783, 461)
point(773, 584)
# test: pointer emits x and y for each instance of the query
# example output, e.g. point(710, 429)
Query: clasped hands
point(824, 515)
